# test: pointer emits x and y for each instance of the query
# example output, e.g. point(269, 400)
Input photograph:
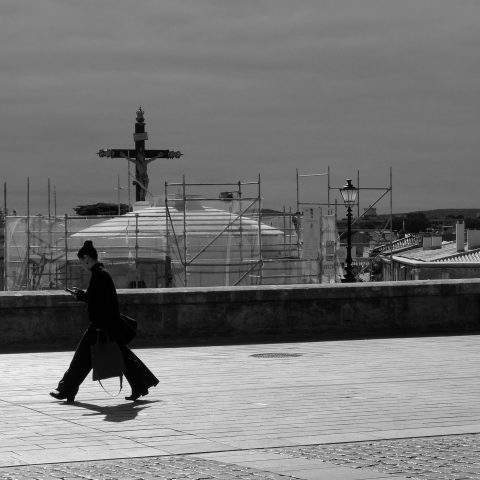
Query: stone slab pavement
point(352, 410)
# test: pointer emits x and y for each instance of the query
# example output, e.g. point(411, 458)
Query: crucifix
point(139, 156)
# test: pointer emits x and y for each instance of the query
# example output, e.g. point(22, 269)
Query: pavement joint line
point(244, 450)
point(89, 427)
point(324, 384)
point(113, 434)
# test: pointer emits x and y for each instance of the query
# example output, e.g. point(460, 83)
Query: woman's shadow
point(123, 412)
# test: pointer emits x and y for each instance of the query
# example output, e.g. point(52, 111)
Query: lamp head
point(349, 193)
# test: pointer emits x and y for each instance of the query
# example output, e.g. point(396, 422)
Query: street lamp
point(349, 195)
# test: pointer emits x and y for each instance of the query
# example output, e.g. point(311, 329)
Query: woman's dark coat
point(101, 297)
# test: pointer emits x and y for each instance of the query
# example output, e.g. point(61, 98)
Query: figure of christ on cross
point(140, 157)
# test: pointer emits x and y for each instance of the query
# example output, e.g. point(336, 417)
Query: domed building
point(185, 244)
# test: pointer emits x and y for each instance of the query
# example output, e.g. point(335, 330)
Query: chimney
point(473, 239)
point(432, 242)
point(460, 236)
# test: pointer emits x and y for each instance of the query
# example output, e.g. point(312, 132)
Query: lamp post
point(349, 195)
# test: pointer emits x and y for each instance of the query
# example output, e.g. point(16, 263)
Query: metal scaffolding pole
point(391, 219)
point(28, 236)
point(137, 247)
point(260, 245)
point(185, 248)
point(49, 238)
point(358, 194)
point(240, 246)
point(5, 243)
point(66, 250)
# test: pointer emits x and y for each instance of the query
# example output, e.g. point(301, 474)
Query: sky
point(243, 89)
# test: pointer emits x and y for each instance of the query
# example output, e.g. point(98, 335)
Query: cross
point(139, 156)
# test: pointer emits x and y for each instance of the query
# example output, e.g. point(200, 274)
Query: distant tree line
point(101, 209)
point(416, 222)
point(413, 222)
point(470, 223)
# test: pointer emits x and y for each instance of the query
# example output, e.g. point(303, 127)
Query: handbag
point(107, 358)
point(128, 329)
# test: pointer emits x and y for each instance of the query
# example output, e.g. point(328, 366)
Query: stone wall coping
point(195, 295)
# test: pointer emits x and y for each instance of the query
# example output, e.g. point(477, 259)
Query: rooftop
point(447, 253)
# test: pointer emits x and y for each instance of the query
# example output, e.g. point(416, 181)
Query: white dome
point(152, 223)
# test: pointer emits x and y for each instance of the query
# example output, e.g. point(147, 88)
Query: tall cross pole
point(140, 157)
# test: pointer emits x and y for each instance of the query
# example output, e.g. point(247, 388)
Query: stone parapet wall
point(192, 316)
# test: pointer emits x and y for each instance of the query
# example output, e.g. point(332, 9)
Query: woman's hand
point(77, 293)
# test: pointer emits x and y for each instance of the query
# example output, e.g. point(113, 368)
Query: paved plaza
point(354, 410)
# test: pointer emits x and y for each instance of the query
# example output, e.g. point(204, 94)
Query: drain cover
point(276, 355)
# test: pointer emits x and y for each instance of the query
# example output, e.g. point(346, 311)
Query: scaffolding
point(213, 234)
point(362, 265)
point(325, 237)
point(228, 239)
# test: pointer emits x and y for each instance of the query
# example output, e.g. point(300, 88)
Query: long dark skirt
point(136, 372)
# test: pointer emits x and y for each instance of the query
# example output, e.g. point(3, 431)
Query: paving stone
point(433, 458)
point(363, 396)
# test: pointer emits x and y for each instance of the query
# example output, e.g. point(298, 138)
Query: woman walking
point(104, 314)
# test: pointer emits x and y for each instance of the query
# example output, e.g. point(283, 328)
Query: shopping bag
point(128, 329)
point(107, 358)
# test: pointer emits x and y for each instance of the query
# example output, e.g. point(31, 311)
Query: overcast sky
point(243, 88)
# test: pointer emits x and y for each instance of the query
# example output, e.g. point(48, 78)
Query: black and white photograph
point(240, 239)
